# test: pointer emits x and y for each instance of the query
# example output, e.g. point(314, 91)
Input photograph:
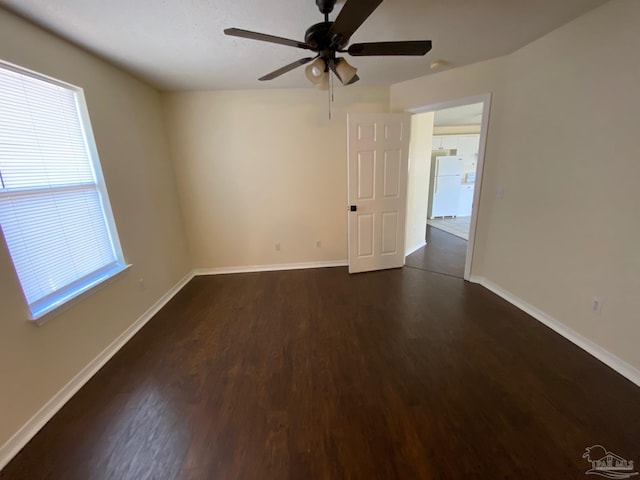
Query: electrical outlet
point(596, 305)
point(141, 284)
point(318, 244)
point(500, 192)
point(278, 246)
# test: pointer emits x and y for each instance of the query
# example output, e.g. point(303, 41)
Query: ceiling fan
point(327, 39)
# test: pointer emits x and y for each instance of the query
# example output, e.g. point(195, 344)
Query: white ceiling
point(179, 44)
point(464, 115)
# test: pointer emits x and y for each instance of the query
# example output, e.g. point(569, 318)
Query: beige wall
point(259, 167)
point(563, 143)
point(418, 181)
point(567, 228)
point(36, 362)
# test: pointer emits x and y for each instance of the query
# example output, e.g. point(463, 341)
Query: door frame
point(485, 99)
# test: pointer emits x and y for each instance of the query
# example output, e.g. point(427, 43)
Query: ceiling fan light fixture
point(315, 71)
point(438, 64)
point(345, 71)
point(323, 83)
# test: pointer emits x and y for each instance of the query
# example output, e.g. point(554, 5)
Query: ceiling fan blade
point(352, 15)
point(286, 68)
point(417, 47)
point(263, 37)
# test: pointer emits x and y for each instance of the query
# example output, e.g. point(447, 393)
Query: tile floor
point(458, 226)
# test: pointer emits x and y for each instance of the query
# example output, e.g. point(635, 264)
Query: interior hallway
point(444, 253)
point(458, 226)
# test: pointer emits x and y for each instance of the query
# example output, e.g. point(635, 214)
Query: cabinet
point(465, 201)
point(464, 144)
point(468, 145)
point(445, 142)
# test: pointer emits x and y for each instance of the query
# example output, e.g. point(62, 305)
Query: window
point(54, 210)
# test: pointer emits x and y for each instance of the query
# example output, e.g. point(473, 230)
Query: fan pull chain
point(329, 92)
point(331, 78)
point(331, 97)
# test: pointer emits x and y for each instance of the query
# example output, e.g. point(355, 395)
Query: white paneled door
point(378, 158)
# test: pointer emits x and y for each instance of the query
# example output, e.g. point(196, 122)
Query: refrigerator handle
point(437, 175)
point(435, 190)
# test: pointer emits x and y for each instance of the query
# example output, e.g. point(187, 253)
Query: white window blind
point(54, 212)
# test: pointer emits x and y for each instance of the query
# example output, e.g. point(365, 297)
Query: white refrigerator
point(444, 186)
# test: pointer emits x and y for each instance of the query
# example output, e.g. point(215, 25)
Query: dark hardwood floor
point(315, 374)
point(444, 253)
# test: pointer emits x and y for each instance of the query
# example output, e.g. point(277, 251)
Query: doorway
point(445, 176)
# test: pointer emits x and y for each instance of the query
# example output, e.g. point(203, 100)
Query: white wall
point(259, 167)
point(563, 142)
point(418, 181)
point(36, 362)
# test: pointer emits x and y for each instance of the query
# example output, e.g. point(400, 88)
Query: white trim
point(14, 67)
point(458, 102)
point(484, 130)
point(35, 423)
point(73, 298)
point(415, 248)
point(475, 279)
point(592, 348)
point(269, 268)
point(485, 99)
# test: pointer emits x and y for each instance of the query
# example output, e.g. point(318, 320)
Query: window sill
point(42, 314)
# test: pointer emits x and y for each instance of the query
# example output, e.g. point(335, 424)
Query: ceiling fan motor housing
point(318, 37)
point(325, 6)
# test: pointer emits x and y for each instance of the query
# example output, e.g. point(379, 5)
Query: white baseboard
point(606, 357)
point(415, 248)
point(35, 423)
point(269, 268)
